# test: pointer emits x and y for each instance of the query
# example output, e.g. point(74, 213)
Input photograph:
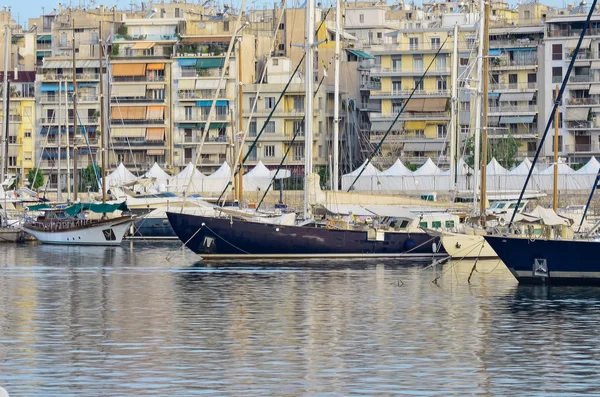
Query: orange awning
point(155, 134)
point(118, 113)
point(128, 113)
point(156, 66)
point(415, 105)
point(143, 46)
point(155, 113)
point(155, 152)
point(129, 69)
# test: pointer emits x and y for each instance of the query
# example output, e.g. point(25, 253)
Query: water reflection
point(125, 321)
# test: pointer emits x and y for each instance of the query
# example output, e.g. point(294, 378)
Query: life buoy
point(330, 224)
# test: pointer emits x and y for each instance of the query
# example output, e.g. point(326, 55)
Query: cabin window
point(403, 224)
point(436, 224)
point(449, 224)
point(422, 224)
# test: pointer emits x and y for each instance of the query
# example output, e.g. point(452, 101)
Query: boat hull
point(153, 227)
point(11, 235)
point(466, 246)
point(105, 233)
point(222, 238)
point(549, 261)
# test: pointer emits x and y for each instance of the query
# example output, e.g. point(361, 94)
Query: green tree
point(412, 167)
point(505, 150)
point(35, 178)
point(88, 177)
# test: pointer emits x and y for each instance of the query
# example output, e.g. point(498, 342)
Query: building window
point(557, 52)
point(270, 127)
point(556, 74)
point(418, 84)
point(441, 130)
point(435, 43)
point(269, 102)
point(417, 63)
point(413, 43)
point(441, 85)
point(27, 134)
point(299, 128)
point(12, 139)
point(281, 26)
point(298, 152)
point(370, 35)
point(252, 101)
point(397, 63)
point(321, 151)
point(270, 151)
point(396, 85)
point(275, 62)
point(12, 161)
point(252, 129)
point(188, 112)
point(281, 47)
point(464, 61)
point(464, 129)
point(226, 26)
point(440, 63)
point(361, 18)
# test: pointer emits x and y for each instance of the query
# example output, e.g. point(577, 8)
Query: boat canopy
point(96, 208)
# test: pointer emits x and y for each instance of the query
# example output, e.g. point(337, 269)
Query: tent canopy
point(120, 176)
point(429, 168)
point(369, 171)
point(494, 168)
point(259, 171)
point(397, 169)
point(190, 171)
point(563, 169)
point(521, 169)
point(157, 172)
point(224, 171)
point(591, 167)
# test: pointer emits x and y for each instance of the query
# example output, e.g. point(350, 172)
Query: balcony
point(213, 73)
point(195, 95)
point(513, 86)
point(512, 109)
point(380, 71)
point(505, 63)
point(133, 79)
point(573, 32)
point(145, 37)
point(377, 45)
point(375, 137)
point(581, 125)
point(521, 43)
point(370, 85)
point(130, 100)
point(49, 76)
point(595, 100)
point(583, 78)
point(80, 120)
point(124, 122)
point(372, 107)
point(406, 93)
point(15, 118)
point(582, 55)
point(197, 116)
point(410, 116)
point(583, 148)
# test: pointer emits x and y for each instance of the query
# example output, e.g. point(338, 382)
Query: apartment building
point(287, 119)
point(579, 125)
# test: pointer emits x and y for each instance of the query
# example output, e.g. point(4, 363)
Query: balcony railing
point(373, 107)
point(573, 33)
point(408, 92)
point(15, 117)
point(198, 116)
point(371, 85)
point(595, 100)
point(69, 76)
point(557, 79)
point(187, 94)
point(80, 120)
point(128, 79)
point(513, 109)
point(199, 73)
point(117, 122)
point(513, 86)
point(584, 78)
point(583, 148)
point(145, 37)
point(136, 99)
point(411, 115)
point(504, 62)
point(377, 69)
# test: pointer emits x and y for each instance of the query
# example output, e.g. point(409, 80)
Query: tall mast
point(68, 147)
point(555, 191)
point(74, 117)
point(454, 105)
point(485, 103)
point(3, 152)
point(59, 167)
point(478, 103)
point(239, 180)
point(336, 99)
point(102, 110)
point(308, 100)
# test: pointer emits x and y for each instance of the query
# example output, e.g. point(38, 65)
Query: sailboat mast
point(102, 110)
point(454, 104)
point(239, 181)
point(478, 104)
point(484, 113)
point(336, 99)
point(308, 99)
point(74, 117)
point(555, 191)
point(57, 117)
point(3, 151)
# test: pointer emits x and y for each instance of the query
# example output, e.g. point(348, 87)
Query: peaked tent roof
point(522, 169)
point(429, 168)
point(563, 169)
point(224, 171)
point(463, 168)
point(187, 172)
point(259, 171)
point(120, 176)
point(591, 167)
point(494, 168)
point(369, 171)
point(397, 169)
point(156, 172)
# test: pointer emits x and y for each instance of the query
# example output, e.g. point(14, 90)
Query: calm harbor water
point(127, 322)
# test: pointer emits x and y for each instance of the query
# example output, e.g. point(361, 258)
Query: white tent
point(189, 177)
point(397, 169)
point(218, 180)
point(563, 169)
point(224, 171)
point(258, 178)
point(591, 167)
point(158, 173)
point(522, 169)
point(368, 180)
point(428, 169)
point(120, 176)
point(494, 168)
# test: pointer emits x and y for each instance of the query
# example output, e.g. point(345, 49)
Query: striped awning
point(155, 152)
point(577, 114)
point(143, 46)
point(186, 84)
point(128, 113)
point(155, 113)
point(516, 119)
point(516, 96)
point(128, 90)
point(123, 132)
point(186, 62)
point(129, 69)
point(424, 146)
point(156, 66)
point(155, 134)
